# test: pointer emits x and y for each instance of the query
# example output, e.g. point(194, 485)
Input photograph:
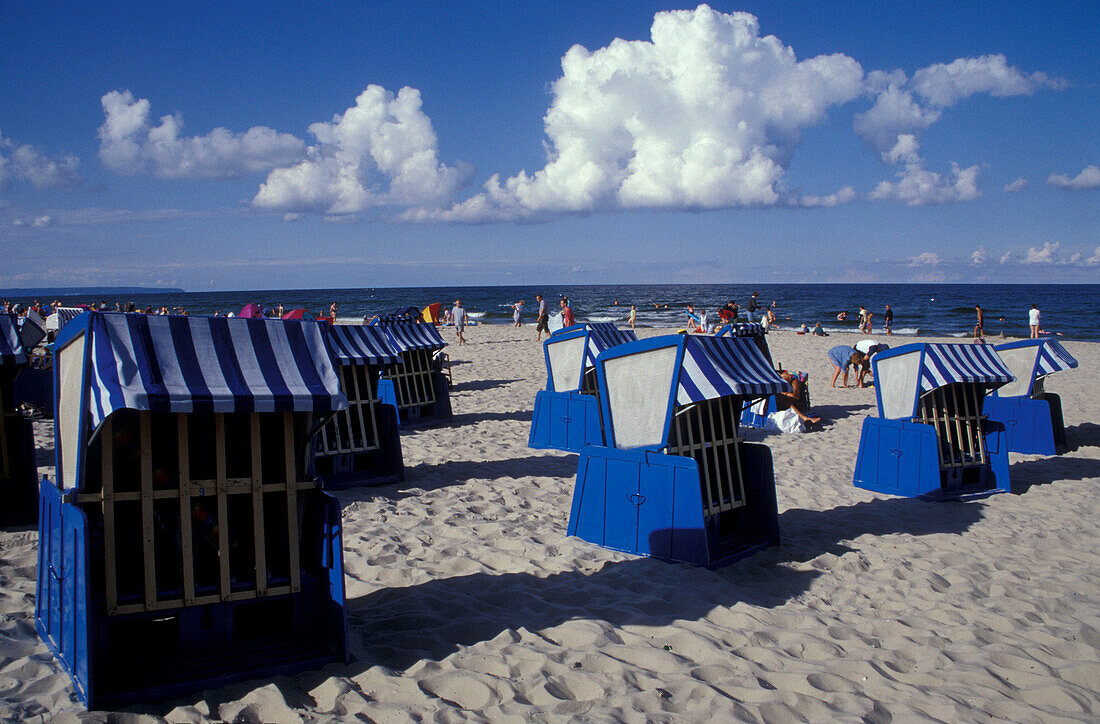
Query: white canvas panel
point(638, 388)
point(898, 379)
point(70, 362)
point(566, 362)
point(1022, 363)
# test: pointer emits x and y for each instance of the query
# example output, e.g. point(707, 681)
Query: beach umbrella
point(297, 314)
point(252, 311)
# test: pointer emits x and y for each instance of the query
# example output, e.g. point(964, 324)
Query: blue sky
point(251, 145)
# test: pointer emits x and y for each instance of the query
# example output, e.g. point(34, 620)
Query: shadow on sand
point(397, 627)
point(1087, 434)
point(1049, 470)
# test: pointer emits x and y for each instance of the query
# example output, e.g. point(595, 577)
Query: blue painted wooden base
point(651, 504)
point(118, 660)
point(899, 457)
point(568, 421)
point(1034, 425)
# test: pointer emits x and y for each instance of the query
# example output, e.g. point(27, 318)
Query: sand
point(468, 602)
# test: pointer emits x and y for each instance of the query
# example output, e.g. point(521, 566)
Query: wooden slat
point(983, 458)
point(258, 532)
point(184, 493)
point(353, 441)
point(147, 544)
point(223, 504)
point(960, 437)
point(107, 489)
point(372, 403)
point(199, 489)
point(170, 603)
point(291, 501)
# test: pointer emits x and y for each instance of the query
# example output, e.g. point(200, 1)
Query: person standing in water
point(888, 321)
point(633, 315)
point(979, 328)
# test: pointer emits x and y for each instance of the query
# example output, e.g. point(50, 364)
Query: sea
point(920, 310)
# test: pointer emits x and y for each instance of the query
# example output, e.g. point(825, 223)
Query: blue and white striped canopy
point(741, 329)
point(208, 364)
point(720, 366)
point(1053, 357)
point(11, 345)
point(66, 315)
point(605, 335)
point(353, 344)
point(405, 335)
point(945, 364)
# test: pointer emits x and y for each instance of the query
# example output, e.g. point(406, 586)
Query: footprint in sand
point(573, 688)
point(461, 690)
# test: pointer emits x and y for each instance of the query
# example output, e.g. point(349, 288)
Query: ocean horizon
point(1070, 310)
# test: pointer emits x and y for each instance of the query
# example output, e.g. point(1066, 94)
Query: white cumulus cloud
point(945, 84)
point(1095, 258)
point(705, 114)
point(381, 151)
point(1016, 186)
point(130, 143)
point(1042, 256)
point(904, 107)
point(26, 163)
point(928, 258)
point(1089, 178)
point(894, 114)
point(842, 196)
point(979, 256)
point(917, 186)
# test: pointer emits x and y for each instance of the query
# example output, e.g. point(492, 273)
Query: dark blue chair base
point(651, 504)
point(899, 457)
point(568, 421)
point(157, 655)
point(1034, 425)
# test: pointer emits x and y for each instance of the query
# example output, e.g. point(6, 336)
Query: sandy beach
point(467, 601)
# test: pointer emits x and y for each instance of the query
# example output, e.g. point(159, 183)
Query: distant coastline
point(79, 291)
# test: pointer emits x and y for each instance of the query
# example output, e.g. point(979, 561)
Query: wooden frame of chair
point(954, 411)
point(707, 432)
point(355, 429)
point(412, 379)
point(188, 494)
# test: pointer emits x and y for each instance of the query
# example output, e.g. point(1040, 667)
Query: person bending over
point(843, 357)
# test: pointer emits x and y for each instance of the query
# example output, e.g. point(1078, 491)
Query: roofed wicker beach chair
point(931, 437)
point(422, 393)
point(567, 412)
point(1031, 415)
point(674, 480)
point(185, 543)
point(362, 444)
point(18, 472)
